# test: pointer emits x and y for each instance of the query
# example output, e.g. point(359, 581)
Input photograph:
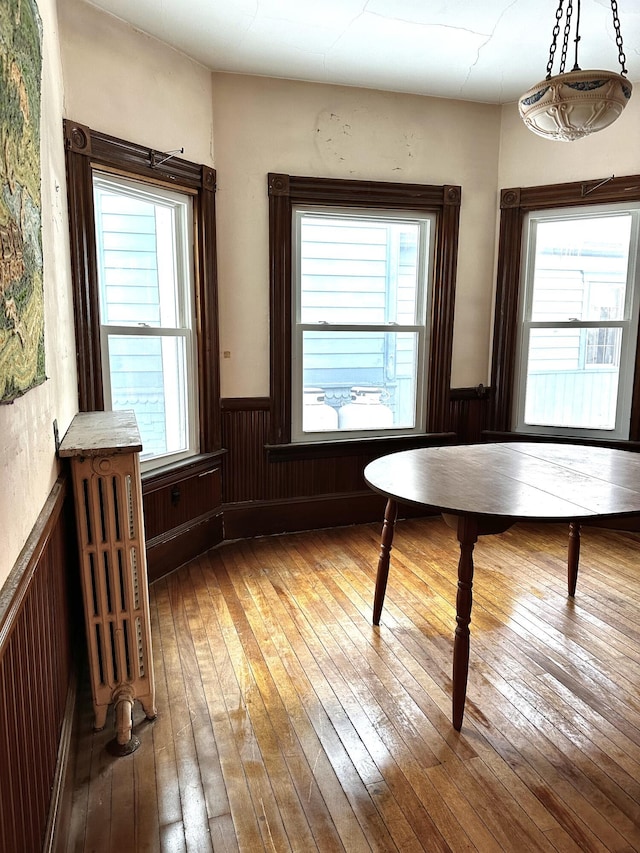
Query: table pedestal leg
point(573, 557)
point(390, 515)
point(467, 536)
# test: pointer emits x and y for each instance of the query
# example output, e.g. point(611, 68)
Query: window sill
point(534, 437)
point(355, 447)
point(159, 478)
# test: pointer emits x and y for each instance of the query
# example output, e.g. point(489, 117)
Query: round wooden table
point(485, 488)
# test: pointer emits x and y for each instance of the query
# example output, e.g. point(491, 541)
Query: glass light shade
point(570, 106)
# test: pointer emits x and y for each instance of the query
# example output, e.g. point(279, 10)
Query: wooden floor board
point(288, 722)
point(385, 714)
point(355, 727)
point(249, 726)
point(343, 766)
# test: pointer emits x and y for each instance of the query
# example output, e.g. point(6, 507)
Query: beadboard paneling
point(35, 676)
point(266, 496)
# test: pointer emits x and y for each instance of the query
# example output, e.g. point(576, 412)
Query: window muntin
point(359, 309)
point(579, 318)
point(144, 251)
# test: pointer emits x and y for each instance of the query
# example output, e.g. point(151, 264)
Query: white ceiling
point(478, 50)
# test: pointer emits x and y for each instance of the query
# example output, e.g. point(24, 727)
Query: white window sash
point(423, 288)
point(628, 323)
point(178, 203)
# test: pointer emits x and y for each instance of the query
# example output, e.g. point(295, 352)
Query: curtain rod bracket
point(157, 158)
point(585, 191)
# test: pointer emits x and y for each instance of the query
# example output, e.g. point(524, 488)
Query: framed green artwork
point(21, 267)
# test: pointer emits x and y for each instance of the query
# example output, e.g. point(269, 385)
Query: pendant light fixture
point(571, 105)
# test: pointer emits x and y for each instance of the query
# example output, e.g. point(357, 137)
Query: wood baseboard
point(263, 518)
point(165, 553)
point(55, 838)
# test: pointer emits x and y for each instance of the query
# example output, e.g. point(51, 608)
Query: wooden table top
point(550, 482)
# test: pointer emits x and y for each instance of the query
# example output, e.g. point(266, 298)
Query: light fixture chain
point(554, 39)
point(576, 67)
point(616, 25)
point(565, 37)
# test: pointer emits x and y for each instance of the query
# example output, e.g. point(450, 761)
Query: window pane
point(581, 269)
point(359, 270)
point(359, 380)
point(572, 377)
point(144, 253)
point(136, 239)
point(148, 376)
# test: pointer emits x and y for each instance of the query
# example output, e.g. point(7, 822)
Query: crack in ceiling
point(489, 51)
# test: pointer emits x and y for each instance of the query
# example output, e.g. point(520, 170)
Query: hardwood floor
point(287, 722)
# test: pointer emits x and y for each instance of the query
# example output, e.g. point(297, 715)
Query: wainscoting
point(468, 413)
point(264, 494)
point(248, 489)
point(37, 679)
point(261, 496)
point(182, 514)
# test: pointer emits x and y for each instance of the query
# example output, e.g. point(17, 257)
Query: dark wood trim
point(56, 833)
point(84, 271)
point(574, 194)
point(442, 311)
point(152, 481)
point(285, 191)
point(468, 409)
point(87, 149)
point(167, 552)
point(505, 336)
point(515, 203)
point(634, 421)
point(280, 307)
point(355, 447)
point(182, 529)
point(267, 517)
point(379, 194)
point(16, 587)
point(245, 404)
point(473, 392)
point(205, 254)
point(506, 435)
point(140, 160)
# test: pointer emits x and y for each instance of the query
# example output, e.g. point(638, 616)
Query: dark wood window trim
point(86, 150)
point(515, 203)
point(286, 191)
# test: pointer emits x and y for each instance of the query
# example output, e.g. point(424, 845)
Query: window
point(142, 228)
point(144, 248)
point(579, 322)
point(565, 349)
point(362, 293)
point(359, 322)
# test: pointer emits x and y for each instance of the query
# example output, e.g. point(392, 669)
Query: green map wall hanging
point(21, 276)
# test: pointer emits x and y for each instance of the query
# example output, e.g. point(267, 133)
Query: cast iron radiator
point(104, 447)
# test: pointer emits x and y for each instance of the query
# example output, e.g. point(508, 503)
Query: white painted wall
point(28, 464)
point(127, 84)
